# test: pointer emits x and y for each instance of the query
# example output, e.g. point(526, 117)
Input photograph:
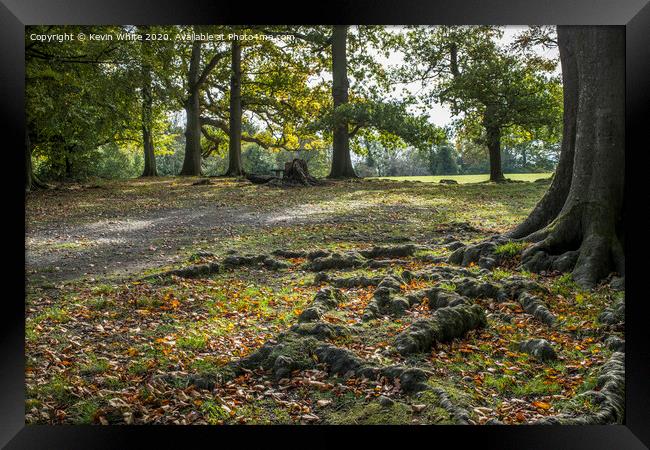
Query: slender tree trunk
point(590, 221)
point(493, 134)
point(341, 160)
point(68, 162)
point(29, 171)
point(550, 205)
point(494, 149)
point(147, 101)
point(192, 161)
point(31, 180)
point(234, 150)
point(149, 156)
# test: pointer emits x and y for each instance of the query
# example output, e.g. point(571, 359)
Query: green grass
point(198, 326)
point(213, 413)
point(510, 249)
point(463, 179)
point(94, 366)
point(84, 411)
point(192, 342)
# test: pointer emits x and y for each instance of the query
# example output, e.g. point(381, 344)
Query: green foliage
point(88, 101)
point(493, 87)
point(85, 411)
point(388, 123)
point(564, 285)
point(192, 342)
point(442, 161)
point(510, 249)
point(57, 388)
point(214, 414)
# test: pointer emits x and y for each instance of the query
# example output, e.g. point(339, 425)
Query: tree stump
point(297, 172)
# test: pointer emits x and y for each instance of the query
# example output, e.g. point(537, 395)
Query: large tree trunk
point(589, 225)
point(147, 138)
point(493, 135)
point(192, 161)
point(551, 204)
point(29, 172)
point(234, 150)
point(31, 180)
point(341, 161)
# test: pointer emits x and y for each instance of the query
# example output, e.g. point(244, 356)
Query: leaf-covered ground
point(106, 344)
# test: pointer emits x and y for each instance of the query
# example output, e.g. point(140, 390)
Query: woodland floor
point(99, 336)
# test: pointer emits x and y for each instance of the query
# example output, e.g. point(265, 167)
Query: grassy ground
point(470, 178)
point(99, 339)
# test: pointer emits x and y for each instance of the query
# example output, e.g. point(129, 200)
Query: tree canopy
point(174, 90)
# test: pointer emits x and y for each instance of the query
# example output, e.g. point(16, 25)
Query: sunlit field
point(462, 179)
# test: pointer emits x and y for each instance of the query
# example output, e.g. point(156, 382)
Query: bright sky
point(440, 115)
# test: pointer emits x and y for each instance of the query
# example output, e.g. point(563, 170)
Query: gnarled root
point(590, 254)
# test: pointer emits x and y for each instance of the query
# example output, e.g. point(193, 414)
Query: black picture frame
point(634, 15)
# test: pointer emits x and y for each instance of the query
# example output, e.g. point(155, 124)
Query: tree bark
point(550, 205)
point(68, 162)
point(493, 134)
point(31, 180)
point(192, 161)
point(234, 148)
point(590, 220)
point(341, 160)
point(147, 138)
point(29, 171)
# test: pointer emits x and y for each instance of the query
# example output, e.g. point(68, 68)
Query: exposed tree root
point(437, 298)
point(482, 254)
point(347, 260)
point(306, 345)
point(311, 255)
point(36, 184)
point(302, 348)
point(445, 325)
point(536, 308)
point(254, 260)
point(615, 344)
point(609, 397)
point(347, 282)
point(459, 414)
point(439, 273)
point(229, 262)
point(590, 258)
point(385, 301)
point(614, 314)
point(554, 250)
point(473, 288)
point(195, 271)
point(538, 348)
point(325, 300)
point(362, 258)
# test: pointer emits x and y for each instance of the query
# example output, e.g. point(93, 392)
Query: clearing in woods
point(108, 341)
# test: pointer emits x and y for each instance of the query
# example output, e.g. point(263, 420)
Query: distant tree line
point(125, 108)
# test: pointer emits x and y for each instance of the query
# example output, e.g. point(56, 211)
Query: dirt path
point(127, 227)
point(136, 242)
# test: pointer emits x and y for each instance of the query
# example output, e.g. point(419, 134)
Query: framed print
point(357, 218)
